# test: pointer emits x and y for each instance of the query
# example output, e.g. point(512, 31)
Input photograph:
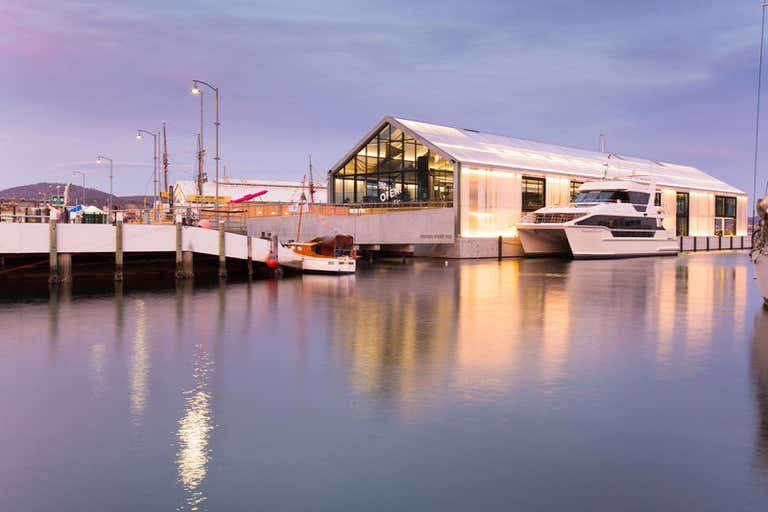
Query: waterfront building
point(487, 182)
point(186, 193)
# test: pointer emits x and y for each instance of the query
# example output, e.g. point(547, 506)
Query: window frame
point(524, 193)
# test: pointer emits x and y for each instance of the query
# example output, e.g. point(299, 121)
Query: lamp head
point(195, 88)
point(138, 135)
point(98, 160)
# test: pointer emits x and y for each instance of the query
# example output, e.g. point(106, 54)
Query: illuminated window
point(681, 212)
point(657, 199)
point(575, 188)
point(393, 168)
point(725, 216)
point(534, 193)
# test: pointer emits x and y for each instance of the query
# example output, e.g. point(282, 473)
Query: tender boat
point(613, 218)
point(326, 255)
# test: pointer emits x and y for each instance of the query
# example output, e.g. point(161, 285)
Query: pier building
point(484, 183)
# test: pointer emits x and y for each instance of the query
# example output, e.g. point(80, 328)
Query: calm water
point(527, 385)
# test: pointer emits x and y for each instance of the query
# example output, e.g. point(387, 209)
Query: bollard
point(222, 252)
point(53, 260)
point(249, 249)
point(501, 242)
point(179, 249)
point(119, 247)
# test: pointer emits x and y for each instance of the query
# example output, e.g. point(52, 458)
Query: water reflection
point(194, 432)
point(139, 364)
point(498, 325)
point(759, 359)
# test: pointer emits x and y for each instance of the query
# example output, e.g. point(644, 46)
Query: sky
point(671, 81)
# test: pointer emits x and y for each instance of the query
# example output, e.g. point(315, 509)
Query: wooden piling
point(179, 249)
point(249, 249)
point(53, 260)
point(119, 247)
point(501, 248)
point(222, 252)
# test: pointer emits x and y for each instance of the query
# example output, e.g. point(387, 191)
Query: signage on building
point(207, 199)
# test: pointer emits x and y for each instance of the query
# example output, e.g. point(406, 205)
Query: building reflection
point(759, 360)
point(481, 329)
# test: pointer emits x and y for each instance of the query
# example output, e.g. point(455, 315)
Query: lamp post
point(196, 90)
point(154, 172)
point(81, 173)
point(99, 160)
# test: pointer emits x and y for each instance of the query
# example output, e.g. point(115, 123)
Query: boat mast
point(302, 200)
point(757, 118)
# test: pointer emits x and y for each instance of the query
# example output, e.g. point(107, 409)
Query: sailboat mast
point(165, 160)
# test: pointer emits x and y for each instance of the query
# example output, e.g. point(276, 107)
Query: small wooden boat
point(320, 257)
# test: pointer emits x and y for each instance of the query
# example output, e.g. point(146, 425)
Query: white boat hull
point(584, 242)
point(340, 265)
point(760, 262)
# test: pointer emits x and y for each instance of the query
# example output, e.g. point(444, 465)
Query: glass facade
point(725, 216)
point(534, 193)
point(393, 168)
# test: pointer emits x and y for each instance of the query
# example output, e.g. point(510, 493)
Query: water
point(527, 385)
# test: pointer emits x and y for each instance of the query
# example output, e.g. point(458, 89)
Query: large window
point(394, 168)
point(575, 188)
point(725, 216)
point(682, 211)
point(534, 193)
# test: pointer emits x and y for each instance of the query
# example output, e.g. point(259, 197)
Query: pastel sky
point(668, 80)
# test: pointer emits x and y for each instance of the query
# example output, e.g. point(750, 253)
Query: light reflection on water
point(194, 432)
point(139, 364)
point(553, 379)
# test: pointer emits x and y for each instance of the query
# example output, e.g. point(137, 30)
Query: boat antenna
point(311, 183)
point(602, 141)
point(757, 116)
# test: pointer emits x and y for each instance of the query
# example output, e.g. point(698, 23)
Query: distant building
point(490, 181)
point(186, 193)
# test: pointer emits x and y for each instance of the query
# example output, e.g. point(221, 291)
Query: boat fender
point(271, 260)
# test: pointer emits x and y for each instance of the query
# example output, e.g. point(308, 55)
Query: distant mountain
point(38, 191)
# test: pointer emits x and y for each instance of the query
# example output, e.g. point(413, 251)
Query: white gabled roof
point(487, 149)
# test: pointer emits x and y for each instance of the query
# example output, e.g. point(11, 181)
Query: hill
point(38, 191)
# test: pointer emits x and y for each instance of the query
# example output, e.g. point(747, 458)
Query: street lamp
point(196, 90)
point(81, 173)
point(154, 172)
point(99, 160)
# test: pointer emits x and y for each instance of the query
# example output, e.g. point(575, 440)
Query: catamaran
point(612, 218)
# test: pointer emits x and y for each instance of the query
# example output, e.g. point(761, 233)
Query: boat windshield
point(611, 196)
